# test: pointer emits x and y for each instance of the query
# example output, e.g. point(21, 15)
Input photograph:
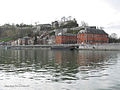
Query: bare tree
point(113, 38)
point(114, 35)
point(84, 24)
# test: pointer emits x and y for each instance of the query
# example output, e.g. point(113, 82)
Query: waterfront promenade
point(41, 46)
point(110, 46)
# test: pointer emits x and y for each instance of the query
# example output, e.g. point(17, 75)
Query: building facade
point(92, 36)
point(45, 27)
point(23, 41)
point(66, 38)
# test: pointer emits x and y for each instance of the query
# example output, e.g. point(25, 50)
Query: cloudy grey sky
point(105, 13)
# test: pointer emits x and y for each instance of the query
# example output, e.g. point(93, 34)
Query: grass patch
point(6, 40)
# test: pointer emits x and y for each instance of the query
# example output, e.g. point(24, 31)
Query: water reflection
point(59, 63)
point(55, 65)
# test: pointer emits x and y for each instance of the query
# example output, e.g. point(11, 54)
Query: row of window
point(91, 35)
point(72, 42)
point(65, 37)
point(64, 40)
point(91, 41)
point(82, 36)
point(67, 40)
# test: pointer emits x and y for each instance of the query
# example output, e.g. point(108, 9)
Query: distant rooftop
point(66, 34)
point(92, 30)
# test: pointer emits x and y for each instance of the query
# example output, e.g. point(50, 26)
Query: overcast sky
point(105, 13)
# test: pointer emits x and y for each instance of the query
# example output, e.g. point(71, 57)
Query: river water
point(45, 69)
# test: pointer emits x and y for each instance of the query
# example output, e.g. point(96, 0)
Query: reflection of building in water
point(29, 57)
point(58, 57)
point(22, 56)
point(88, 57)
point(66, 58)
point(16, 54)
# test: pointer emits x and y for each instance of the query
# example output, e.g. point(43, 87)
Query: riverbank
point(105, 47)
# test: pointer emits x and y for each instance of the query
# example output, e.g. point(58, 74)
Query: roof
point(44, 25)
point(92, 31)
point(66, 34)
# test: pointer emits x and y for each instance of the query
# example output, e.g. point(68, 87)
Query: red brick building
point(92, 36)
point(66, 38)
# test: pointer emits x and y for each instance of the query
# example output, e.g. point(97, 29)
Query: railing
point(107, 45)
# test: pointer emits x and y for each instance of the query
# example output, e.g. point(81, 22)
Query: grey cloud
point(114, 27)
point(114, 3)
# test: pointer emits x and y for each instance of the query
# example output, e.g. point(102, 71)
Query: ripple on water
point(81, 70)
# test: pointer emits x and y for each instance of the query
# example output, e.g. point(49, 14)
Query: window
point(81, 41)
point(81, 36)
point(84, 36)
point(84, 41)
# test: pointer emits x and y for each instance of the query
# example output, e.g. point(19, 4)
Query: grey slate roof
point(92, 31)
point(67, 34)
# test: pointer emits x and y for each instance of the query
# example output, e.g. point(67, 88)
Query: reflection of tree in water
point(23, 60)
